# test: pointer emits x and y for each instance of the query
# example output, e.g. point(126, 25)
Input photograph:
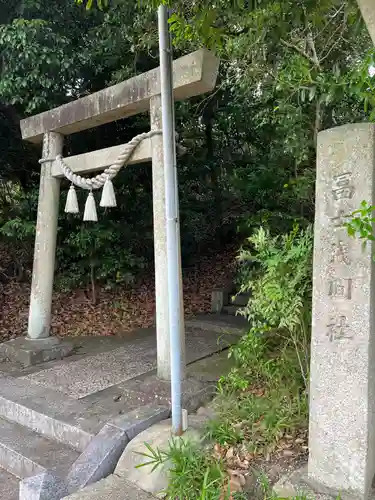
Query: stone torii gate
point(193, 74)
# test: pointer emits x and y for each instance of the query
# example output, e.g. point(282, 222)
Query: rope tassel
point(90, 209)
point(71, 205)
point(108, 195)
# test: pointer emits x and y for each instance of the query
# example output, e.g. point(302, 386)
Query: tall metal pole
point(172, 216)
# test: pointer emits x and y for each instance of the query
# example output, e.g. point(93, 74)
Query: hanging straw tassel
point(108, 195)
point(71, 205)
point(90, 209)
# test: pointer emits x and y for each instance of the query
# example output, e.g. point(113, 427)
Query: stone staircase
point(52, 445)
point(228, 301)
point(39, 432)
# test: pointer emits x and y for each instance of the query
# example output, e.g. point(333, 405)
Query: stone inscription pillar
point(160, 250)
point(45, 242)
point(342, 383)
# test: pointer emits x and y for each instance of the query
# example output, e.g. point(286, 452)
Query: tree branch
point(314, 61)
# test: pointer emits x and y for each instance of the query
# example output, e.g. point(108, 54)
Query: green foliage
point(262, 397)
point(31, 49)
point(194, 474)
point(278, 273)
point(101, 4)
point(17, 226)
point(93, 253)
point(360, 223)
point(280, 278)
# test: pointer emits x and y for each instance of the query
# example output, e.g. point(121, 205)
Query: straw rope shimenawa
point(103, 180)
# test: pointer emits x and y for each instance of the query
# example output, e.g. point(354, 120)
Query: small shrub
point(194, 473)
point(280, 282)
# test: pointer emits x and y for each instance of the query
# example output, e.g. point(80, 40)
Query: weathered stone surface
point(193, 74)
point(45, 241)
point(102, 158)
point(158, 437)
point(26, 453)
point(212, 368)
point(152, 390)
point(31, 352)
point(136, 421)
point(45, 486)
point(293, 484)
point(219, 299)
point(111, 488)
point(99, 459)
point(342, 386)
point(88, 375)
point(160, 251)
point(224, 324)
point(47, 412)
point(102, 454)
point(368, 13)
point(9, 486)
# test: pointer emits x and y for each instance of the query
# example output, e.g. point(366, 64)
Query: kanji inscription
point(338, 328)
point(342, 187)
point(339, 219)
point(340, 288)
point(340, 253)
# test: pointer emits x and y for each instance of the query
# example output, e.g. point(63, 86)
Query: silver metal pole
point(172, 217)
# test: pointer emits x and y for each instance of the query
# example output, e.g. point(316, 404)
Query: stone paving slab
point(153, 390)
point(111, 488)
point(94, 373)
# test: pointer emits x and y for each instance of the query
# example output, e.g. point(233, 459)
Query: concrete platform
point(82, 377)
point(45, 411)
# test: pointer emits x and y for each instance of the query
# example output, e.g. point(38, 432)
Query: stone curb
point(102, 454)
point(99, 458)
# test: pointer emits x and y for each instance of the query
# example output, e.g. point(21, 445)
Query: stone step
point(241, 299)
point(111, 488)
point(47, 412)
point(25, 453)
point(9, 486)
point(230, 310)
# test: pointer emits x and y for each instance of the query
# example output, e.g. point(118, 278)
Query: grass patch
point(261, 401)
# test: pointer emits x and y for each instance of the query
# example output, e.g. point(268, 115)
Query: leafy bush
point(263, 396)
point(91, 254)
point(277, 270)
point(17, 227)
